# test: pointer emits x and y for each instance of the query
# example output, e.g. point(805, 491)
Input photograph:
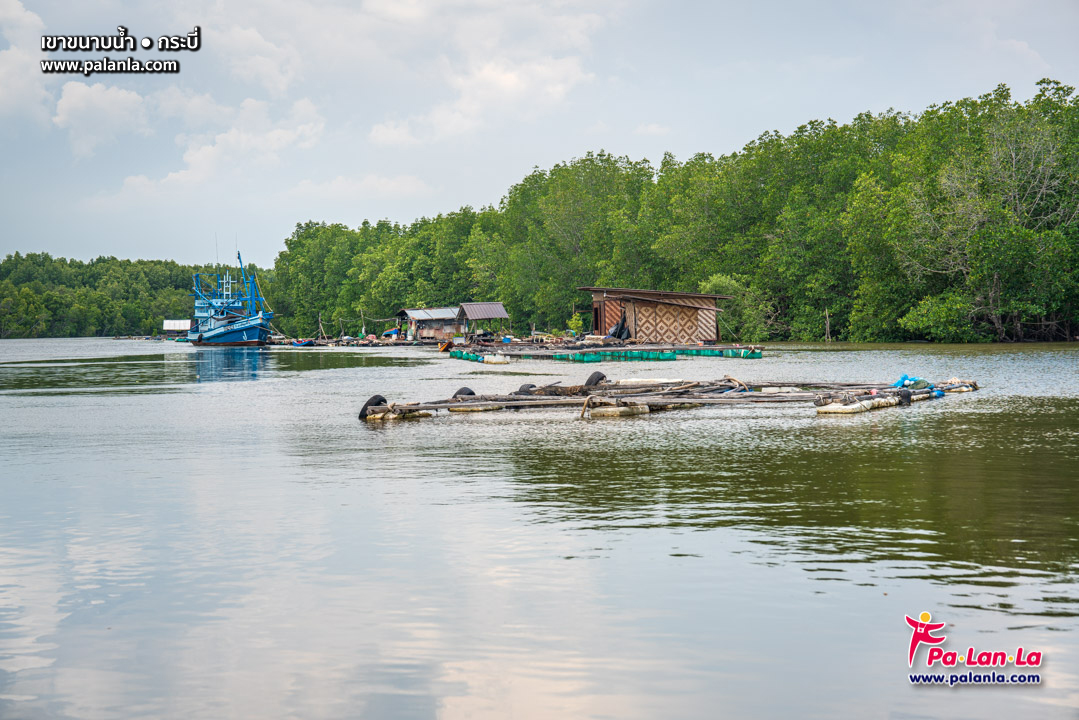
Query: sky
point(297, 110)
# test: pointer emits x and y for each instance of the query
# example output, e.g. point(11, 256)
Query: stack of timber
point(599, 397)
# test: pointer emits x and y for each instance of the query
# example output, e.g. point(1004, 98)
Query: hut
point(429, 323)
point(473, 315)
point(176, 328)
point(656, 316)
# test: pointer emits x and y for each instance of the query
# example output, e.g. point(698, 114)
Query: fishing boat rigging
point(227, 317)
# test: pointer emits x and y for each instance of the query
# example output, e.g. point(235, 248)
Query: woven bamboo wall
point(612, 313)
point(660, 322)
point(706, 325)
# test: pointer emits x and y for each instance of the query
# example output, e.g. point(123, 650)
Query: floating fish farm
point(599, 397)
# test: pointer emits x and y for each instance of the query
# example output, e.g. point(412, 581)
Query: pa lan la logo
point(922, 633)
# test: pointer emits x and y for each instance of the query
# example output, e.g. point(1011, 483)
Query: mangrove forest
point(959, 223)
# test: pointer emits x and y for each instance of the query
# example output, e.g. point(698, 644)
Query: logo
point(922, 633)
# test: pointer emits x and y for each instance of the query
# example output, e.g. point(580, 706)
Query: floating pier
point(502, 355)
point(599, 397)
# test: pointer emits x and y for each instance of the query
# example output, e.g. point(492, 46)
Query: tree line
point(43, 296)
point(956, 224)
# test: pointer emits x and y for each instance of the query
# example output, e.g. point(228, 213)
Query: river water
point(192, 533)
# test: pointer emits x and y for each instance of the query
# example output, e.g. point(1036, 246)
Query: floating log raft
point(599, 397)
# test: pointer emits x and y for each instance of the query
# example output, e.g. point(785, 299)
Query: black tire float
point(463, 392)
point(595, 379)
point(374, 401)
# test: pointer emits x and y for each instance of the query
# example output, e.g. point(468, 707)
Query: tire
point(374, 401)
point(526, 389)
point(464, 392)
point(595, 379)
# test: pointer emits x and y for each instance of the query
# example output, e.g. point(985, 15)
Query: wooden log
point(476, 407)
point(612, 411)
point(391, 415)
point(673, 406)
point(551, 402)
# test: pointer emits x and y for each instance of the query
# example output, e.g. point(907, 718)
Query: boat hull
point(245, 333)
point(241, 343)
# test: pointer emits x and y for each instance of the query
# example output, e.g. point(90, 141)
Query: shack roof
point(482, 311)
point(442, 313)
point(658, 293)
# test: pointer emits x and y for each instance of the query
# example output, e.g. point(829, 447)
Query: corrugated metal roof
point(621, 291)
point(442, 313)
point(177, 325)
point(483, 311)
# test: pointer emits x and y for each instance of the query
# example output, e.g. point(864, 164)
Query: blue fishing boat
point(225, 316)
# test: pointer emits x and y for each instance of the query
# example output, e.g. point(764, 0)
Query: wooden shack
point(475, 315)
point(656, 316)
point(429, 323)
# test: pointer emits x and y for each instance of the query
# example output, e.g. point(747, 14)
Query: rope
point(733, 334)
point(736, 381)
point(278, 331)
point(260, 293)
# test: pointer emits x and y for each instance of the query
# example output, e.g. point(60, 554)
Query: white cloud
point(20, 26)
point(195, 110)
point(392, 133)
point(1023, 49)
point(980, 21)
point(343, 188)
point(96, 114)
point(496, 88)
point(497, 61)
point(397, 10)
point(243, 152)
point(433, 69)
point(22, 84)
point(1019, 49)
point(255, 59)
point(652, 129)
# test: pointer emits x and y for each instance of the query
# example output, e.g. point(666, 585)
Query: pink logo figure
point(923, 633)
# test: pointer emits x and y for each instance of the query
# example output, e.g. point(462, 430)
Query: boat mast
point(249, 283)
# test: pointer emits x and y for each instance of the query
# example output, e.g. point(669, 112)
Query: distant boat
point(227, 318)
point(303, 343)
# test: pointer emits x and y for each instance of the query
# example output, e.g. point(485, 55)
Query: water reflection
point(251, 549)
point(229, 364)
point(973, 500)
point(125, 372)
point(153, 373)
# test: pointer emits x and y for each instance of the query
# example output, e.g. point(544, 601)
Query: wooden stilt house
point(656, 316)
point(429, 323)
